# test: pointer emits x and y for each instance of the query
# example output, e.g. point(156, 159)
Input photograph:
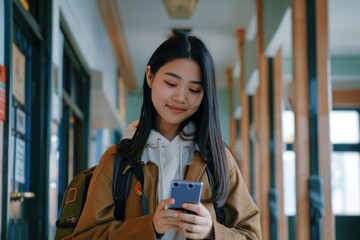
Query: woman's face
point(176, 92)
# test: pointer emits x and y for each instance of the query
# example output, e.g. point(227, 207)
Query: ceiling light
point(180, 8)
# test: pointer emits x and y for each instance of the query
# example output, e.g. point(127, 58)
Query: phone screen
point(185, 191)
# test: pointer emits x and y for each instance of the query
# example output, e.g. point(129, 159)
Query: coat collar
point(196, 168)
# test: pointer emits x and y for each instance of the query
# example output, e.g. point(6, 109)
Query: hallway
point(288, 84)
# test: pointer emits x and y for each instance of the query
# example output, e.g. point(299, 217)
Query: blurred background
point(288, 82)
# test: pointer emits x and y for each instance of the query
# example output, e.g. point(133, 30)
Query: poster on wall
point(19, 160)
point(2, 93)
point(18, 73)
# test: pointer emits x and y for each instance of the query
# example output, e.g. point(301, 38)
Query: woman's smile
point(176, 109)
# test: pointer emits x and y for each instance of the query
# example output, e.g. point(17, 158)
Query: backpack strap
point(122, 182)
point(137, 168)
point(121, 186)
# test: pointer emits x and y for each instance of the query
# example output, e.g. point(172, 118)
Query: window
point(289, 164)
point(289, 180)
point(345, 162)
point(344, 127)
point(288, 127)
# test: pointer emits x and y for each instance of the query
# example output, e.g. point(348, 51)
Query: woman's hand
point(195, 226)
point(165, 219)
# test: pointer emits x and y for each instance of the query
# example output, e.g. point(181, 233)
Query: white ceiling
point(344, 27)
point(147, 24)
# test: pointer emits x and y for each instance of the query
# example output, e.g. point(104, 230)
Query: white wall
point(91, 43)
point(88, 30)
point(90, 40)
point(56, 34)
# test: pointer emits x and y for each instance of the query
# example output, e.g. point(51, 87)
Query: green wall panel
point(273, 12)
point(250, 58)
point(345, 65)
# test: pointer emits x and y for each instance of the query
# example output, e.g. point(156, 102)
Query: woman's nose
point(179, 95)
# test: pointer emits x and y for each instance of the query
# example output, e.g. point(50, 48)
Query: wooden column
point(263, 127)
point(324, 96)
point(301, 145)
point(232, 122)
point(254, 129)
point(244, 120)
point(279, 143)
point(312, 107)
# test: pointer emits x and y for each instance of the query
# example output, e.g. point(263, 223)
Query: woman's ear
point(149, 76)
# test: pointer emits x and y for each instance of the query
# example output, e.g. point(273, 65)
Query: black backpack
point(76, 193)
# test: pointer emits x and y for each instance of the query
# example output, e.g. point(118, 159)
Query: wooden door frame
point(80, 109)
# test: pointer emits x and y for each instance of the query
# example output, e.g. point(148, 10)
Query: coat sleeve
point(97, 220)
point(242, 214)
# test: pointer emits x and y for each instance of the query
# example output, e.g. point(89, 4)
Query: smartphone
point(185, 191)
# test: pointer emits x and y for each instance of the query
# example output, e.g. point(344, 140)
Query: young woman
point(177, 137)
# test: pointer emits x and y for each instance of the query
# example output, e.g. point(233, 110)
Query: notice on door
point(18, 67)
point(19, 160)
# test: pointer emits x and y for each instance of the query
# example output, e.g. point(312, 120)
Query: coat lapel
point(196, 168)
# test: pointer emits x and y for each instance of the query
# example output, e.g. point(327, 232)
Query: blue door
point(26, 129)
point(21, 194)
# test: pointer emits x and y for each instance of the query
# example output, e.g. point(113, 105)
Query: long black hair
point(206, 118)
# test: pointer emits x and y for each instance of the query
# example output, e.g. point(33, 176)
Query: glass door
point(26, 129)
point(21, 194)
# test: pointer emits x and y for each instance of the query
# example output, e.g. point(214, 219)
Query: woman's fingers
point(164, 219)
point(164, 203)
point(195, 226)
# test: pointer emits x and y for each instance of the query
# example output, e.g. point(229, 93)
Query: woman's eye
point(196, 90)
point(170, 84)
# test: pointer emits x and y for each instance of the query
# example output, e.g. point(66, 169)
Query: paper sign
point(18, 71)
point(20, 121)
point(20, 160)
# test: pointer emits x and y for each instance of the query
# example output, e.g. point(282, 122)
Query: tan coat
point(97, 220)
